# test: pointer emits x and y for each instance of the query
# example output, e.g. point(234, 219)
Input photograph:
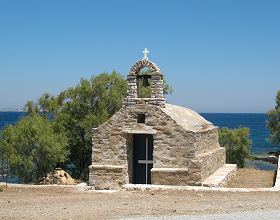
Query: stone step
point(220, 176)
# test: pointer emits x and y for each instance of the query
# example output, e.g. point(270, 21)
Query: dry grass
point(1, 188)
point(252, 178)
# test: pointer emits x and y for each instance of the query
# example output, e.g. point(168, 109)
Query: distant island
point(12, 110)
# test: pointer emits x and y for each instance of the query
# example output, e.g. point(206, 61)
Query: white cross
point(145, 52)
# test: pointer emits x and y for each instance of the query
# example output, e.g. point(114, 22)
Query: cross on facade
point(145, 52)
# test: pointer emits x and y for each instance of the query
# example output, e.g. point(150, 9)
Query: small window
point(141, 118)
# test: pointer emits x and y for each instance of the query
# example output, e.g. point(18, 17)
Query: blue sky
point(218, 55)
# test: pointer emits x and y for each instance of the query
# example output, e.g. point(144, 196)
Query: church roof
point(187, 118)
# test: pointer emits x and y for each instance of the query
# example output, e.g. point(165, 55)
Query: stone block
point(107, 176)
point(173, 176)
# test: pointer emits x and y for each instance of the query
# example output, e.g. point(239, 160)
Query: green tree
point(78, 109)
point(273, 122)
point(33, 147)
point(85, 106)
point(31, 108)
point(48, 104)
point(237, 144)
point(4, 166)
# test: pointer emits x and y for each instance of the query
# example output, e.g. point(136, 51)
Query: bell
point(146, 81)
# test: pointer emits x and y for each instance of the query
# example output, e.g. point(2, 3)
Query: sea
point(258, 133)
point(256, 122)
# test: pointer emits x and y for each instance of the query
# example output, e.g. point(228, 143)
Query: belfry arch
point(140, 64)
point(157, 95)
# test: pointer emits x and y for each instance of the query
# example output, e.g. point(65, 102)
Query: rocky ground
point(68, 203)
point(58, 177)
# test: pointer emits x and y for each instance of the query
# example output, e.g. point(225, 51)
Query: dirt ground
point(67, 203)
point(252, 178)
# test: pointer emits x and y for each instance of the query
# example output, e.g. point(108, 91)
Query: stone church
point(149, 141)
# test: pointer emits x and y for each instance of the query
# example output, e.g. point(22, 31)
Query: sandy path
point(66, 203)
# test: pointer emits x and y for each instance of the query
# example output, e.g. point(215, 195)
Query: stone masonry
point(157, 97)
point(185, 145)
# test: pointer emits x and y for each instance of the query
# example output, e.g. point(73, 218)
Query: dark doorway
point(143, 146)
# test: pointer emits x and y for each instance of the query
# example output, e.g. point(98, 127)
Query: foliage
point(46, 105)
point(1, 188)
point(33, 147)
point(273, 122)
point(167, 89)
point(237, 144)
point(88, 105)
point(78, 109)
point(31, 108)
point(4, 166)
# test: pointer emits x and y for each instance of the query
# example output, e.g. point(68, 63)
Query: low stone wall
point(174, 176)
point(197, 171)
point(221, 176)
point(211, 161)
point(107, 176)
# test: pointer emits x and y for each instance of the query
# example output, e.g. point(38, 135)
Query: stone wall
point(176, 176)
point(154, 101)
point(207, 140)
point(197, 171)
point(211, 161)
point(107, 177)
point(174, 158)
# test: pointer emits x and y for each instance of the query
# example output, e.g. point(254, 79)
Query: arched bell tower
point(157, 96)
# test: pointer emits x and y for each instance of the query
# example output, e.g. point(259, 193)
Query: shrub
point(273, 122)
point(33, 147)
point(237, 144)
